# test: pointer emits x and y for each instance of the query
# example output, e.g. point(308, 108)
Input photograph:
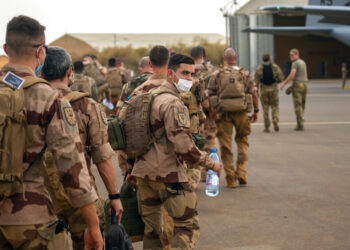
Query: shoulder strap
point(163, 90)
point(75, 95)
point(31, 80)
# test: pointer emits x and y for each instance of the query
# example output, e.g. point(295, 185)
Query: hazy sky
point(118, 16)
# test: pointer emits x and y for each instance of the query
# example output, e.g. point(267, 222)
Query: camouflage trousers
point(241, 122)
point(269, 98)
point(209, 132)
point(181, 205)
point(299, 99)
point(75, 221)
point(343, 76)
point(34, 237)
point(122, 162)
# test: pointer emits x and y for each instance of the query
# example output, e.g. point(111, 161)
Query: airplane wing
point(291, 31)
point(331, 14)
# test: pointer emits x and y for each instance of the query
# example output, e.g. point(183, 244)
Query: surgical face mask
point(39, 68)
point(183, 85)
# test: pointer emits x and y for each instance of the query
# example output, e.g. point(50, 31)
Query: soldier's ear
point(5, 48)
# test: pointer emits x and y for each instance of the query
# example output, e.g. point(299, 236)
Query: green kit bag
point(199, 140)
point(116, 134)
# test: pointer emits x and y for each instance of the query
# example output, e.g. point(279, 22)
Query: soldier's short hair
point(266, 57)
point(177, 59)
point(22, 34)
point(294, 52)
point(159, 56)
point(78, 67)
point(57, 63)
point(111, 62)
point(143, 63)
point(197, 52)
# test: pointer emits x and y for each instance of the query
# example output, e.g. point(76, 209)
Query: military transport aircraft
point(329, 18)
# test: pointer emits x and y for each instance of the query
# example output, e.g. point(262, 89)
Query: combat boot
point(231, 181)
point(275, 126)
point(299, 128)
point(267, 130)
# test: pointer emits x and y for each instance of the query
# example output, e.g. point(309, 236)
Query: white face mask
point(183, 85)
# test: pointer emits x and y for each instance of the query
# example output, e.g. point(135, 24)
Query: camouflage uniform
point(269, 94)
point(92, 126)
point(344, 73)
point(116, 79)
point(27, 218)
point(161, 178)
point(94, 72)
point(299, 91)
point(83, 83)
point(225, 122)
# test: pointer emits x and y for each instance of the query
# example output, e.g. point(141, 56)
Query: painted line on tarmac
point(328, 95)
point(306, 123)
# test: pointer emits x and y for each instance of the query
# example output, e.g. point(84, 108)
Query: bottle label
point(212, 179)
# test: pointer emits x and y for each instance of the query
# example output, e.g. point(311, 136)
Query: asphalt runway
point(298, 192)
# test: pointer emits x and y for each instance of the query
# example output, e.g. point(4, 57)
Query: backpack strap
point(31, 80)
point(75, 95)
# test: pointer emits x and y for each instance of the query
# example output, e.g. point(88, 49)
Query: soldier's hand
point(282, 86)
point(217, 167)
point(254, 117)
point(131, 180)
point(93, 238)
point(118, 207)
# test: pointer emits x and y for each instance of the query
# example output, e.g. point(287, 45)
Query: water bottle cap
point(213, 150)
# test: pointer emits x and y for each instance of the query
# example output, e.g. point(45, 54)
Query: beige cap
point(294, 52)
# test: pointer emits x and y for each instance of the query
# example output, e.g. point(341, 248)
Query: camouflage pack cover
point(13, 127)
point(115, 83)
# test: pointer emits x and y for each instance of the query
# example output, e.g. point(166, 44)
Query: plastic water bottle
point(212, 184)
point(108, 104)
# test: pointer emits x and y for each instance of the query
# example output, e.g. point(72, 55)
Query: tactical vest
point(13, 133)
point(82, 84)
point(232, 90)
point(114, 80)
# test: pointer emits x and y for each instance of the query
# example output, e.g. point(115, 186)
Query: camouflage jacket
point(164, 160)
point(154, 81)
point(276, 70)
point(92, 70)
point(80, 79)
point(51, 122)
point(92, 124)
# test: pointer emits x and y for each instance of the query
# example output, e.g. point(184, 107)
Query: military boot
point(275, 126)
point(231, 181)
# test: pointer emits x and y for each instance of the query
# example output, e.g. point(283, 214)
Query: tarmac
point(298, 191)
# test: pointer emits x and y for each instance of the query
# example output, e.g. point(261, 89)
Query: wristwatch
point(114, 196)
point(256, 110)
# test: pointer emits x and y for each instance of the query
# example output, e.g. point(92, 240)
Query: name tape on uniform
point(13, 80)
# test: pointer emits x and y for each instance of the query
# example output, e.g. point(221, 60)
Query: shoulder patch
point(69, 117)
point(102, 116)
point(182, 117)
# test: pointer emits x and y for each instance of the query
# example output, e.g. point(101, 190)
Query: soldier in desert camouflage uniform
point(92, 125)
point(83, 83)
point(267, 76)
point(161, 178)
point(27, 218)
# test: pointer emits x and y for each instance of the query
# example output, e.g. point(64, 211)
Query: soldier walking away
point(344, 73)
point(267, 76)
point(232, 94)
point(83, 83)
point(115, 79)
point(27, 215)
point(298, 75)
point(92, 125)
point(160, 175)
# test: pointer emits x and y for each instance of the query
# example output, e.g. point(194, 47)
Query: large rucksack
point(82, 84)
point(114, 80)
point(13, 130)
point(134, 122)
point(232, 95)
point(268, 76)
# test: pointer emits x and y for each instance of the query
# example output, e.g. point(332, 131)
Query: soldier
point(267, 76)
point(344, 73)
point(160, 176)
point(298, 75)
point(83, 83)
point(92, 126)
point(127, 73)
point(232, 91)
point(202, 76)
point(115, 79)
point(27, 217)
point(145, 71)
point(94, 69)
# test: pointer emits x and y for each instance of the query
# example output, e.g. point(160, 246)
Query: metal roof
point(251, 6)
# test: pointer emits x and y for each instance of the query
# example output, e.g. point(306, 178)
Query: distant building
point(98, 42)
point(323, 55)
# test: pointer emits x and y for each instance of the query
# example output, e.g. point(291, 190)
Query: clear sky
point(118, 16)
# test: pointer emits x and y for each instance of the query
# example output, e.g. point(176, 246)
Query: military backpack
point(114, 80)
point(13, 130)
